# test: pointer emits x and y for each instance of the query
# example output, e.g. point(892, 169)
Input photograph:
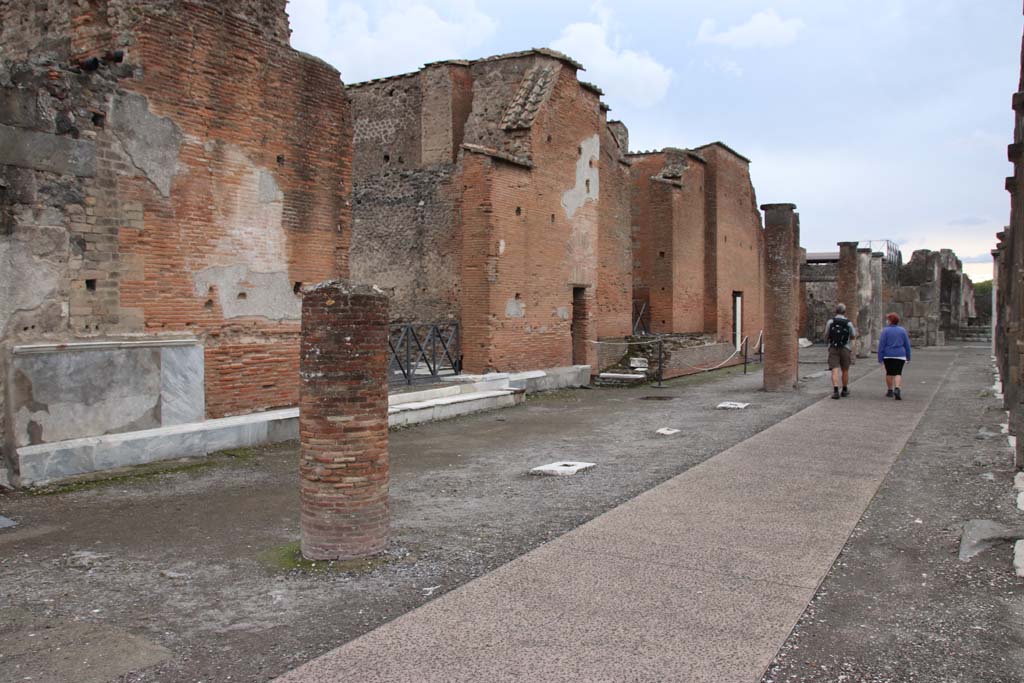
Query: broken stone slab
point(731, 405)
point(668, 431)
point(1018, 481)
point(805, 343)
point(563, 468)
point(620, 375)
point(1020, 500)
point(1018, 558)
point(6, 522)
point(981, 534)
point(638, 363)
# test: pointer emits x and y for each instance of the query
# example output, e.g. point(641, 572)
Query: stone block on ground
point(563, 469)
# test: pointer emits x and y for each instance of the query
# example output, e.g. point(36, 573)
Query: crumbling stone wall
point(734, 243)
point(538, 231)
point(931, 297)
point(496, 192)
point(822, 294)
point(406, 236)
point(1009, 282)
point(169, 167)
point(668, 238)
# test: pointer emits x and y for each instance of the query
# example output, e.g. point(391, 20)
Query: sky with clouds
point(879, 119)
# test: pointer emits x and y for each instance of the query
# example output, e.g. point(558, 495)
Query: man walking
point(840, 333)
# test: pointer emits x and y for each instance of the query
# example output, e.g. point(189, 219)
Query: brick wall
point(543, 215)
point(734, 244)
point(668, 238)
point(217, 182)
point(405, 222)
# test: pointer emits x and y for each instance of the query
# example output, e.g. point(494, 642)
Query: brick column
point(781, 307)
point(847, 285)
point(343, 422)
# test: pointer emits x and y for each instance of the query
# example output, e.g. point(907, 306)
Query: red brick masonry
point(343, 421)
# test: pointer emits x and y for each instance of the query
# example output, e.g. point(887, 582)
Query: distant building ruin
point(930, 293)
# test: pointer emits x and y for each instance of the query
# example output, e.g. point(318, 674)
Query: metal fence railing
point(423, 352)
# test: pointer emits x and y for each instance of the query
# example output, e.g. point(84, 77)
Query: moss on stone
point(288, 559)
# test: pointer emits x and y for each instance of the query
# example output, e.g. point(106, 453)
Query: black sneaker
point(889, 394)
point(897, 394)
point(835, 393)
point(845, 392)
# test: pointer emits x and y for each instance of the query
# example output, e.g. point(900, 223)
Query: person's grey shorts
point(838, 358)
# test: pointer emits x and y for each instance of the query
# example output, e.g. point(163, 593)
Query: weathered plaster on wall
point(587, 187)
point(244, 292)
point(152, 142)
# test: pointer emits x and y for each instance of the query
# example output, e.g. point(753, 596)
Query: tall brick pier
point(847, 284)
point(781, 304)
point(343, 421)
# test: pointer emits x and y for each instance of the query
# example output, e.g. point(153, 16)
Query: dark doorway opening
point(580, 315)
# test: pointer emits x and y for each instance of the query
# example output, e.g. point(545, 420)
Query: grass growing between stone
point(288, 559)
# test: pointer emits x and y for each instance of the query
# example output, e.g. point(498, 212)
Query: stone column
point(863, 320)
point(877, 303)
point(847, 285)
point(781, 307)
point(343, 421)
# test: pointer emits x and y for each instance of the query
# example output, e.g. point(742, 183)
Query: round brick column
point(343, 421)
point(781, 308)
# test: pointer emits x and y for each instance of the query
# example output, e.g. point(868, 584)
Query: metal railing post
point(408, 358)
point(746, 349)
point(661, 362)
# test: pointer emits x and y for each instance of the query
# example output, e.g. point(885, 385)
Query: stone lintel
point(47, 152)
point(778, 207)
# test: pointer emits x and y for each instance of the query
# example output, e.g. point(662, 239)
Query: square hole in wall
point(90, 285)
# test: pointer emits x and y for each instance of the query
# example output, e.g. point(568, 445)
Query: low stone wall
point(682, 354)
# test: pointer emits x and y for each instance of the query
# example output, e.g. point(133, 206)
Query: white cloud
point(764, 29)
point(626, 75)
point(387, 37)
point(726, 66)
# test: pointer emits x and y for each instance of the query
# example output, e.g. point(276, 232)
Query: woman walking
point(894, 353)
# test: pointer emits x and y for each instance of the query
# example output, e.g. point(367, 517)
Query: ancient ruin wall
point(405, 222)
point(170, 186)
point(820, 284)
point(668, 239)
point(532, 243)
point(734, 245)
point(614, 287)
point(544, 227)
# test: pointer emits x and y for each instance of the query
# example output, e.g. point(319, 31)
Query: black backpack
point(838, 333)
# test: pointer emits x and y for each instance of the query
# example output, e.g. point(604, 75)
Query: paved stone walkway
point(699, 579)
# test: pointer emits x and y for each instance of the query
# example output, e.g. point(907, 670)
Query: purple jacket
point(894, 343)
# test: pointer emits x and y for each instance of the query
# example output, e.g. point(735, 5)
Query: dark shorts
point(838, 358)
point(894, 366)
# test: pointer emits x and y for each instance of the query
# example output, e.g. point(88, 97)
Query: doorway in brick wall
point(580, 314)
point(737, 319)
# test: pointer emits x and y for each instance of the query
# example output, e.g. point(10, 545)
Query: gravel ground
point(898, 605)
point(176, 563)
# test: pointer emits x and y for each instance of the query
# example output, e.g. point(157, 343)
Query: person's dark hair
point(893, 319)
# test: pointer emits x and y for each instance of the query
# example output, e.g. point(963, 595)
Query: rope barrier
point(660, 340)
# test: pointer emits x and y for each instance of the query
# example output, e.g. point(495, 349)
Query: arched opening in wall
point(580, 314)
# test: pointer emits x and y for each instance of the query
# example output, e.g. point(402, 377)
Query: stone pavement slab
point(699, 579)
